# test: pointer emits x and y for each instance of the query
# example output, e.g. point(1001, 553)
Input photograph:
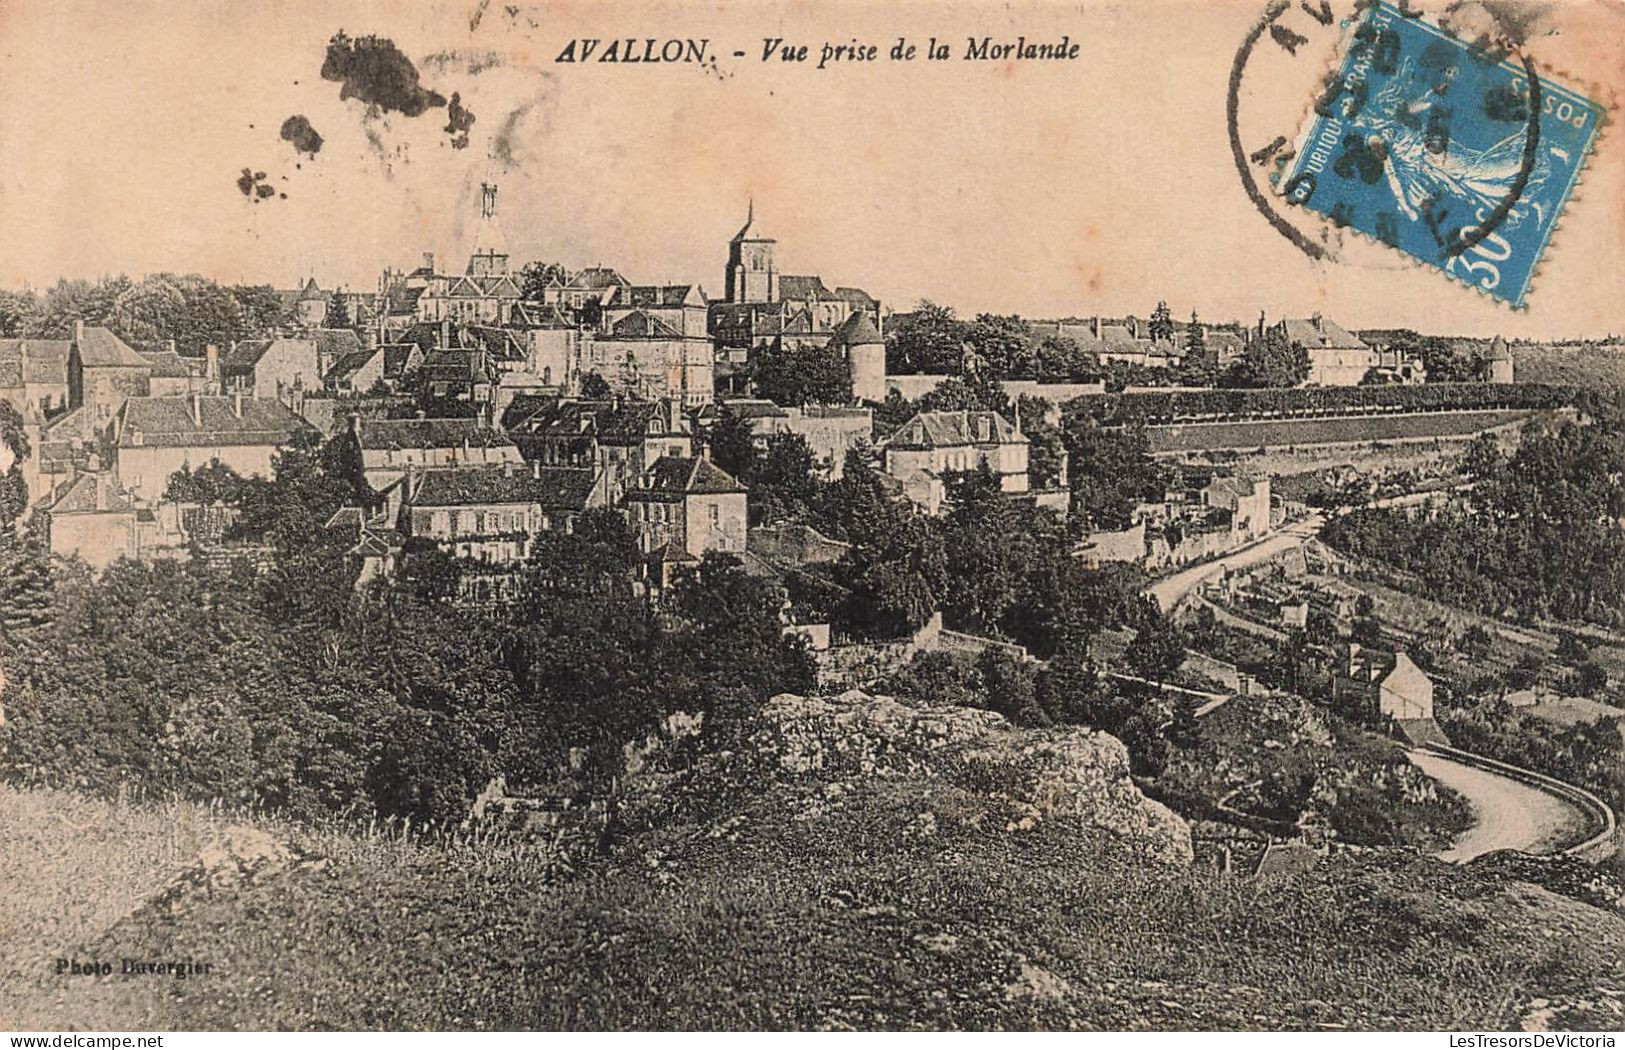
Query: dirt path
point(1507, 814)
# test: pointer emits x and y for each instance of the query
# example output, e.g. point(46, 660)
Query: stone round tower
point(865, 356)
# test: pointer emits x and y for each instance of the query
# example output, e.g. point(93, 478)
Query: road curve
point(1170, 590)
point(1507, 814)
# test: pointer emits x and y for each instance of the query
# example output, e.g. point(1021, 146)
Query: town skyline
point(979, 207)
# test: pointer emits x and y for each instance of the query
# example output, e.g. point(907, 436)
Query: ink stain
point(374, 70)
point(253, 185)
point(459, 120)
point(297, 130)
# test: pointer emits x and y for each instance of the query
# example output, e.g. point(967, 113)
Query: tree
point(1061, 359)
point(1162, 323)
point(595, 387)
point(929, 340)
point(338, 311)
point(1157, 649)
point(535, 277)
point(1590, 678)
point(1572, 648)
point(783, 484)
point(1045, 450)
point(733, 445)
point(976, 393)
point(1199, 367)
point(1005, 343)
point(801, 374)
point(1111, 471)
point(1269, 362)
point(13, 486)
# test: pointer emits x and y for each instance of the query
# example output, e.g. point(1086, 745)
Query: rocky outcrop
point(1033, 775)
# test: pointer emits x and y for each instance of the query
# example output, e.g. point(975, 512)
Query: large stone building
point(102, 373)
point(622, 438)
point(156, 436)
point(923, 451)
point(682, 507)
point(493, 513)
point(1337, 357)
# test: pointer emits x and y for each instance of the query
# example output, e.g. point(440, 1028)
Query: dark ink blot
point(254, 186)
point(459, 120)
point(373, 70)
point(1287, 38)
point(297, 130)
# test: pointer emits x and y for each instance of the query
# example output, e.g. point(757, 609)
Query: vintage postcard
point(812, 516)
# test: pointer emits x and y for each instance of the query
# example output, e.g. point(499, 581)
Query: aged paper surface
point(811, 515)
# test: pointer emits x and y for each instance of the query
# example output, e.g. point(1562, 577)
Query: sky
point(1097, 185)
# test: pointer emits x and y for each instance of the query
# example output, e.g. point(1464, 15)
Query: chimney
point(536, 468)
point(445, 333)
point(237, 404)
point(79, 331)
point(171, 345)
point(428, 261)
point(197, 410)
point(372, 339)
point(507, 468)
point(354, 419)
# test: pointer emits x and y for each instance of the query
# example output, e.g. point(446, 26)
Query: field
point(846, 920)
point(1282, 433)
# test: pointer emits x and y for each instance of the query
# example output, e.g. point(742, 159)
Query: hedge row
point(1183, 406)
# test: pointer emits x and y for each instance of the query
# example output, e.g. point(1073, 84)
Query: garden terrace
point(1196, 406)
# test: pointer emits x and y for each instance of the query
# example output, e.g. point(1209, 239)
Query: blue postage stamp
point(1431, 146)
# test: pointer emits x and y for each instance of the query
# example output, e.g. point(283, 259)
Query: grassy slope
point(843, 919)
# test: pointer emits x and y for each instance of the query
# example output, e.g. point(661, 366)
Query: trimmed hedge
point(1190, 406)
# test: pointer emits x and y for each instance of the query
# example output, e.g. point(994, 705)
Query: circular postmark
point(1495, 36)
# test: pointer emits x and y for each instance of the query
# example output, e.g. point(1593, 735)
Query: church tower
point(489, 257)
point(752, 276)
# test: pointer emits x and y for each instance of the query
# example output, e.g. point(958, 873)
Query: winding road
point(1506, 814)
point(1171, 590)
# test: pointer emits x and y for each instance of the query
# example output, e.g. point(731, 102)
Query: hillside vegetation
point(865, 864)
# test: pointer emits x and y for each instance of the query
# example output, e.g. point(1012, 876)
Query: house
point(1385, 684)
point(932, 444)
point(357, 372)
point(642, 356)
point(682, 507)
point(1337, 357)
point(1247, 499)
point(1294, 614)
point(680, 307)
point(621, 438)
point(831, 431)
point(156, 436)
point(484, 293)
point(34, 375)
point(92, 517)
point(492, 513)
point(389, 447)
point(175, 376)
point(271, 368)
point(102, 373)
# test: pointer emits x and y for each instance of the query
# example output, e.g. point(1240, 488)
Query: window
point(716, 513)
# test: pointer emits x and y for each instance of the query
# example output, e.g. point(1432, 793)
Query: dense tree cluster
point(1539, 536)
point(191, 310)
point(291, 689)
point(802, 375)
point(933, 341)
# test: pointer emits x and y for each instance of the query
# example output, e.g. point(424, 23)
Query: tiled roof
point(90, 491)
point(381, 434)
point(793, 287)
point(857, 330)
point(553, 488)
point(1320, 332)
point(168, 422)
point(610, 422)
point(598, 277)
point(349, 365)
point(311, 290)
point(398, 358)
point(167, 364)
point(102, 349)
point(47, 360)
point(952, 429)
point(857, 297)
point(639, 325)
point(673, 477)
point(334, 343)
point(456, 366)
point(667, 295)
point(538, 315)
point(501, 342)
